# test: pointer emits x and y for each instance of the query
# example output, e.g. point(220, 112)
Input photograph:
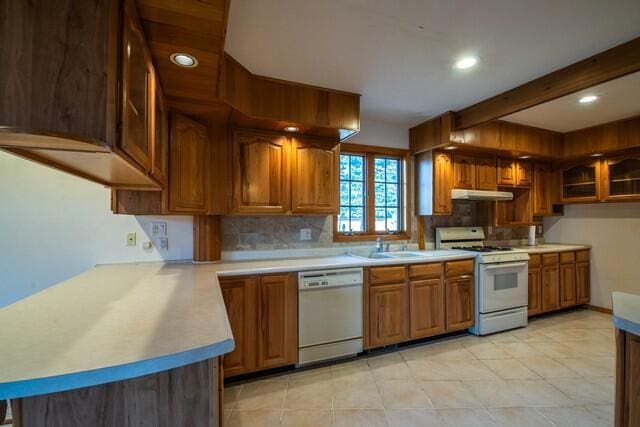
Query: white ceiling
point(619, 99)
point(399, 54)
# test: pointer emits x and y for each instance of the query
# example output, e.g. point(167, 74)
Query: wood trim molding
point(599, 309)
point(347, 147)
point(608, 65)
point(207, 238)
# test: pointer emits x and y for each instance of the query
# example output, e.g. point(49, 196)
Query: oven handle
point(508, 265)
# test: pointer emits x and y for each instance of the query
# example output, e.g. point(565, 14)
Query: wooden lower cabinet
point(388, 314)
point(627, 402)
point(426, 310)
point(460, 302)
point(583, 282)
point(263, 313)
point(550, 288)
point(535, 291)
point(239, 296)
point(567, 285)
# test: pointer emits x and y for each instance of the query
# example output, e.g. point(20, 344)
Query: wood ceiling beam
point(608, 65)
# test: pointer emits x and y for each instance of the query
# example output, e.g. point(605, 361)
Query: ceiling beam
point(608, 65)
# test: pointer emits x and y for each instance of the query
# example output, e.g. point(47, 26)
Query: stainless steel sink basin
point(404, 255)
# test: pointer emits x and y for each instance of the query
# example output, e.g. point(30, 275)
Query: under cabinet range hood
point(459, 194)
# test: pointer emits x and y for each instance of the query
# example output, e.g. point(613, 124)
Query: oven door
point(502, 286)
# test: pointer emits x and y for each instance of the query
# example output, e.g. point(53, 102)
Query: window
point(373, 193)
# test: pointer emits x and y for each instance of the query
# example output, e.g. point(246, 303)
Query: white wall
point(613, 231)
point(54, 226)
point(381, 134)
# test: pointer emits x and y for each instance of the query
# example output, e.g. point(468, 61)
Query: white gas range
point(501, 279)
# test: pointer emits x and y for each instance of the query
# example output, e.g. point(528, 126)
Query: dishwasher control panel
point(330, 278)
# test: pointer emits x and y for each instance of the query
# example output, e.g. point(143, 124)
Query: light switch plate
point(131, 239)
point(305, 234)
point(158, 228)
point(163, 243)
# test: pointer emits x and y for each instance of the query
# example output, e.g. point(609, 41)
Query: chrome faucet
point(404, 247)
point(379, 244)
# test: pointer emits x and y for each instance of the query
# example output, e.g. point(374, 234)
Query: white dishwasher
point(329, 314)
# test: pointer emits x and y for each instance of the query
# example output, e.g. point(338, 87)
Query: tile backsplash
point(250, 233)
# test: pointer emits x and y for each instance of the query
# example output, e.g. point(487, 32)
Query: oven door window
point(502, 286)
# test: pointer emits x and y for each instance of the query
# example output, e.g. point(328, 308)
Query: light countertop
point(121, 321)
point(552, 247)
point(626, 312)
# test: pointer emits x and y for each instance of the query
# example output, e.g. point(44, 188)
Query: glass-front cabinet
point(580, 182)
point(621, 178)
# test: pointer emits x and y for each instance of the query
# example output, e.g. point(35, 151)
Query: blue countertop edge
point(626, 325)
point(39, 386)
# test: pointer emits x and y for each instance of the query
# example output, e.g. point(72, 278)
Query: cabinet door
point(460, 302)
point(135, 138)
point(628, 368)
point(506, 172)
point(567, 285)
point(277, 321)
point(426, 310)
point(524, 173)
point(314, 176)
point(442, 183)
point(581, 182)
point(583, 282)
point(621, 178)
point(187, 165)
point(542, 191)
point(464, 171)
point(261, 173)
point(388, 306)
point(535, 291)
point(486, 173)
point(239, 296)
point(160, 155)
point(550, 288)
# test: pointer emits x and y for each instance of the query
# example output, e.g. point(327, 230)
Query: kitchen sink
point(402, 254)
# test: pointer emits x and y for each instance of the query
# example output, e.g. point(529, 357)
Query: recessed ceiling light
point(450, 147)
point(587, 99)
point(184, 60)
point(524, 157)
point(466, 62)
point(596, 155)
point(291, 129)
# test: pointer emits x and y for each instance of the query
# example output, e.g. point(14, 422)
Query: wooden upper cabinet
point(464, 171)
point(277, 321)
point(621, 178)
point(442, 183)
point(239, 296)
point(261, 173)
point(486, 173)
point(581, 182)
point(314, 176)
point(542, 189)
point(427, 308)
point(160, 135)
point(460, 302)
point(188, 169)
point(388, 319)
point(137, 110)
point(507, 136)
point(506, 172)
point(524, 173)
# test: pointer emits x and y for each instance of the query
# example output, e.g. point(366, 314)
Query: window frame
point(370, 153)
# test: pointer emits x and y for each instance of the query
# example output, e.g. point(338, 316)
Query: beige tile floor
point(556, 372)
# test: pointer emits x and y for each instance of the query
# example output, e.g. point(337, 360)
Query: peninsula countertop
point(626, 312)
point(121, 321)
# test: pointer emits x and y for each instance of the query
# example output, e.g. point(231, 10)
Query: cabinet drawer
point(458, 268)
point(387, 275)
point(534, 261)
point(567, 257)
point(583, 255)
point(549, 259)
point(426, 270)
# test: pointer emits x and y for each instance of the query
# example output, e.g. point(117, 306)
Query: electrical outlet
point(163, 243)
point(305, 234)
point(131, 239)
point(158, 228)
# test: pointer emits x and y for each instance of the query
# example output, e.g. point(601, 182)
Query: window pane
point(379, 166)
point(392, 195)
point(343, 220)
point(357, 219)
point(393, 172)
point(344, 167)
point(344, 193)
point(357, 168)
point(381, 223)
point(357, 194)
point(393, 222)
point(379, 193)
